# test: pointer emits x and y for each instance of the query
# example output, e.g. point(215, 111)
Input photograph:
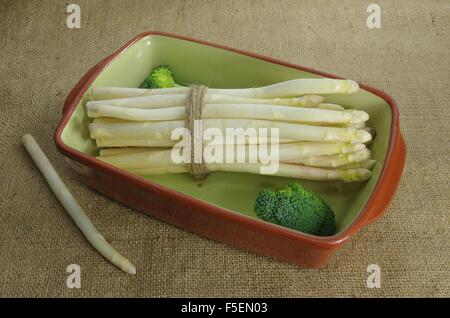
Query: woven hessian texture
point(41, 59)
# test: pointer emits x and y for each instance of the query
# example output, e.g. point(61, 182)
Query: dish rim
point(324, 242)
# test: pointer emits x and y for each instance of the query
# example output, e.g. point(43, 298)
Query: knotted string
point(194, 108)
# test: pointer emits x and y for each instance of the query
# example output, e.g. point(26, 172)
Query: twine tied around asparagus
point(194, 108)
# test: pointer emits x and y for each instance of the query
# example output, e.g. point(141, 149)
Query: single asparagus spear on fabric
point(75, 211)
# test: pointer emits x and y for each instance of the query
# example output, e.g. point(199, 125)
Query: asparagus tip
point(358, 174)
point(372, 131)
point(131, 269)
point(352, 87)
point(364, 174)
point(359, 156)
point(361, 136)
point(370, 164)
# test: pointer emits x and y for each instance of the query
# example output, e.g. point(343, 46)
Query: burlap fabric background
point(41, 59)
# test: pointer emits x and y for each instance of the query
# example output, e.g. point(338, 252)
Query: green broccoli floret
point(265, 206)
point(161, 77)
point(294, 207)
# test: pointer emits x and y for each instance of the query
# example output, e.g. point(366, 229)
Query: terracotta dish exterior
point(222, 207)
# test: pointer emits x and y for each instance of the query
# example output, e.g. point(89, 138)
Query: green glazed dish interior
point(198, 63)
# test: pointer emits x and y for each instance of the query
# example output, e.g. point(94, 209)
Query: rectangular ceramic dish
point(221, 207)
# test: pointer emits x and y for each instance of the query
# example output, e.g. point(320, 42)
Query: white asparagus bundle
point(174, 100)
point(317, 140)
point(250, 111)
point(285, 170)
point(163, 130)
point(291, 88)
point(315, 156)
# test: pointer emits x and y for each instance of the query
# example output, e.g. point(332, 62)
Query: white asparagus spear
point(139, 160)
point(333, 161)
point(163, 130)
point(289, 153)
point(105, 93)
point(254, 111)
point(148, 142)
point(174, 100)
point(285, 170)
point(161, 142)
point(300, 149)
point(358, 125)
point(73, 208)
point(330, 106)
point(126, 150)
point(296, 87)
point(368, 164)
point(134, 142)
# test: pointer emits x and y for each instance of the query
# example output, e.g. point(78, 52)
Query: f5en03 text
point(246, 307)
